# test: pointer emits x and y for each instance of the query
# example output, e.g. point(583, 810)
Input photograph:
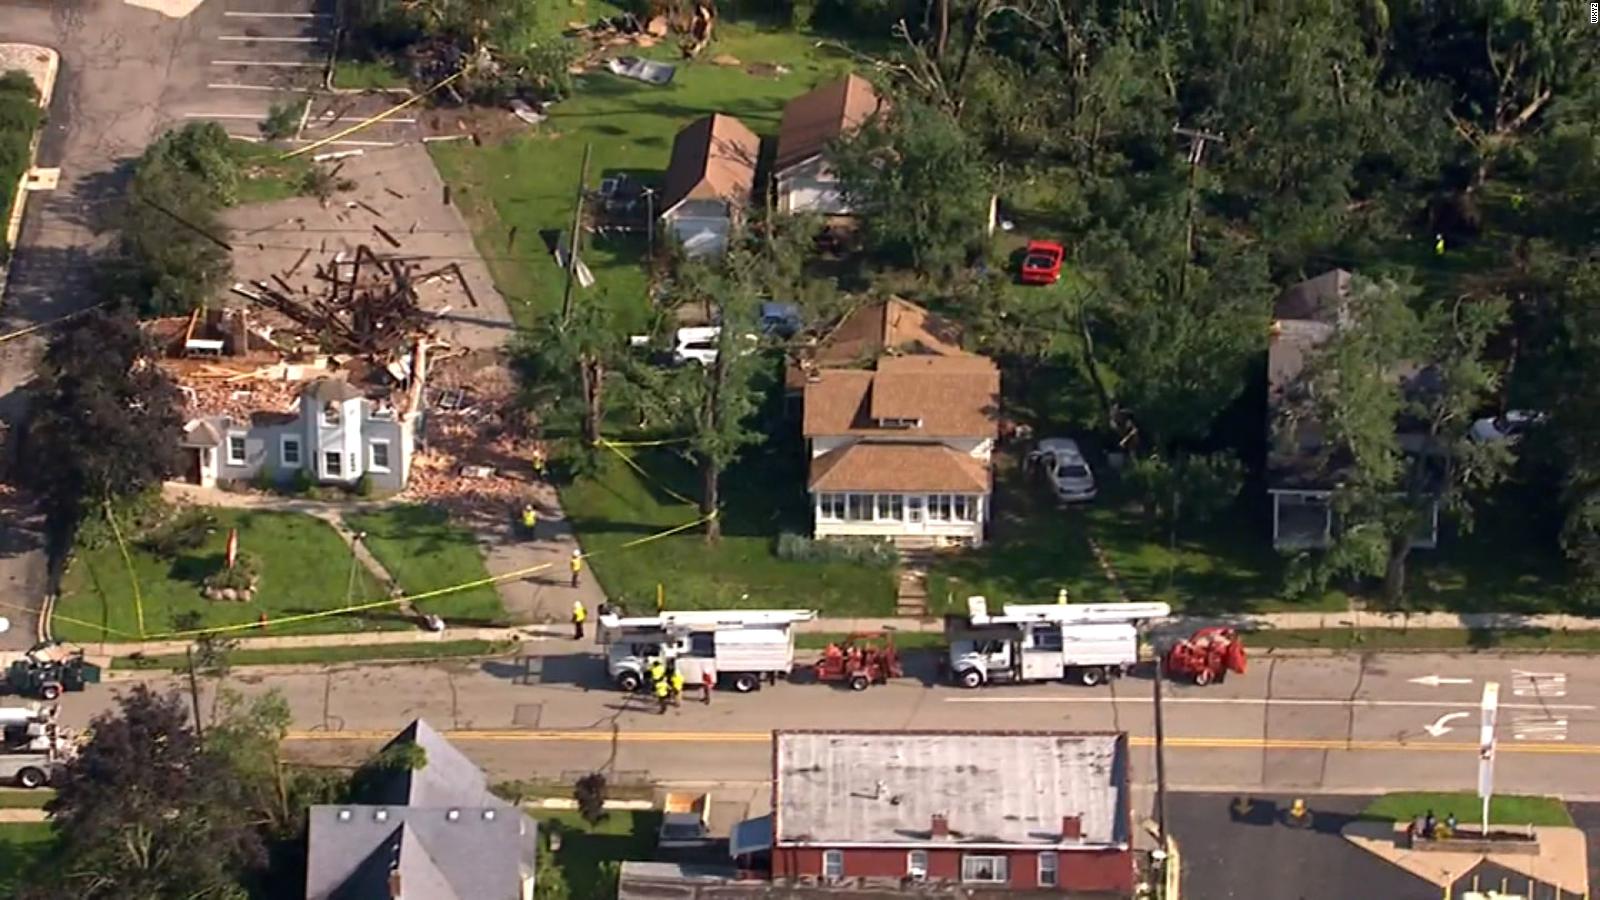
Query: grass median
point(23, 845)
point(1507, 809)
point(297, 656)
point(19, 799)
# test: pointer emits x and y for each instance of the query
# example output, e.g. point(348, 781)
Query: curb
point(113, 675)
point(567, 803)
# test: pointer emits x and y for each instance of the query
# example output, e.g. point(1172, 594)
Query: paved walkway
point(16, 816)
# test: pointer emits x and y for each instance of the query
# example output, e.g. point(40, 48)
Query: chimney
point(1071, 828)
point(941, 826)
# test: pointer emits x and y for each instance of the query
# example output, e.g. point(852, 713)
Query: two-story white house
point(336, 435)
point(802, 180)
point(902, 450)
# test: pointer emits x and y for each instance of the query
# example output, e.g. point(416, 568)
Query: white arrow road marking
point(1539, 684)
point(1537, 726)
point(1439, 728)
point(1263, 701)
point(1435, 681)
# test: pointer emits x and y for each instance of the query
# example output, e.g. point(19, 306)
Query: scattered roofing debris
point(368, 305)
point(645, 70)
point(479, 452)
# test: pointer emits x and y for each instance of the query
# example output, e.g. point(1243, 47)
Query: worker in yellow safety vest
point(576, 564)
point(658, 672)
point(661, 694)
point(677, 688)
point(538, 461)
point(579, 614)
point(530, 518)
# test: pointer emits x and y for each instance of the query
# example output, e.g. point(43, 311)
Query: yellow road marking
point(762, 737)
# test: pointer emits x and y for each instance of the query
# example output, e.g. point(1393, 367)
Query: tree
point(1396, 391)
point(590, 792)
point(567, 365)
point(145, 811)
point(107, 421)
point(170, 257)
point(919, 184)
point(716, 402)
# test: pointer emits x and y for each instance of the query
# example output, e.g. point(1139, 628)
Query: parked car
point(1507, 427)
point(1041, 264)
point(699, 344)
point(1065, 468)
point(781, 320)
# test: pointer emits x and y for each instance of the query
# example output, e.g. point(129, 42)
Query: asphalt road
point(1353, 724)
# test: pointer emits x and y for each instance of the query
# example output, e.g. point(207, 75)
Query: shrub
point(185, 532)
point(301, 482)
point(282, 121)
point(865, 551)
point(246, 570)
point(364, 485)
point(265, 479)
point(590, 792)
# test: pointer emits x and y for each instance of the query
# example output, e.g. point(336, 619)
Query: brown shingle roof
point(883, 326)
point(713, 158)
point(949, 396)
point(870, 466)
point(814, 118)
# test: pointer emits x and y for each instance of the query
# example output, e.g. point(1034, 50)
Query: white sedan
point(1505, 427)
point(1064, 466)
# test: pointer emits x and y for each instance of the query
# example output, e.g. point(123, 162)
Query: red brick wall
point(1089, 870)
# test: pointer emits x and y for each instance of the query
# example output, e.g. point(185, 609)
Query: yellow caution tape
point(614, 448)
point(370, 120)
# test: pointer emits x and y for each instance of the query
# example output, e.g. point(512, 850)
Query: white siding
point(810, 187)
point(980, 448)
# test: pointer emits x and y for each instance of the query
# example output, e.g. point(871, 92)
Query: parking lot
point(262, 53)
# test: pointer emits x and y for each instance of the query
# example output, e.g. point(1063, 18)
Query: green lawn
point(21, 846)
point(424, 552)
point(527, 183)
point(1223, 566)
point(763, 496)
point(264, 177)
point(305, 568)
point(364, 74)
point(1509, 809)
point(618, 837)
point(421, 650)
point(1510, 562)
point(20, 799)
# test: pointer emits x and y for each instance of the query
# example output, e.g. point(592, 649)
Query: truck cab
point(732, 647)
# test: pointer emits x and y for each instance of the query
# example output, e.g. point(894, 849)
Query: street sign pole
point(1490, 709)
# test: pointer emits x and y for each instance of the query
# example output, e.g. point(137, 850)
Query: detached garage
point(709, 181)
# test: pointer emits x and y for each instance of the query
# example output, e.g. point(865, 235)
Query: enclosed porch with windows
point(901, 491)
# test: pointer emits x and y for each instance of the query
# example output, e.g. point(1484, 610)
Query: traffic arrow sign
point(1439, 728)
point(1435, 680)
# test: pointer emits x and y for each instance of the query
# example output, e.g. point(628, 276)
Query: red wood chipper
point(859, 661)
point(1206, 656)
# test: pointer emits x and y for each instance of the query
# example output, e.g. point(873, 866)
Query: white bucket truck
point(737, 648)
point(33, 748)
point(1083, 642)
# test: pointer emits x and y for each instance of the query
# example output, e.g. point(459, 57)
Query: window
point(291, 452)
point(236, 450)
point(963, 508)
point(983, 869)
point(380, 456)
point(1048, 863)
point(330, 414)
point(917, 865)
point(832, 865)
point(890, 507)
point(830, 507)
point(858, 508)
point(939, 507)
point(332, 464)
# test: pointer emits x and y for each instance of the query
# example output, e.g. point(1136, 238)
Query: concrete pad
point(172, 9)
point(42, 180)
point(1561, 860)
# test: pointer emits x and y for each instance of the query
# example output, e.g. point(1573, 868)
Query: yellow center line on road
point(763, 737)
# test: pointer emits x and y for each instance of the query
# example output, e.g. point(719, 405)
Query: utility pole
point(572, 240)
point(194, 694)
point(1197, 149)
point(1161, 755)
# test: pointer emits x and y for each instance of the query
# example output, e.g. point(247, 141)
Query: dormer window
point(330, 414)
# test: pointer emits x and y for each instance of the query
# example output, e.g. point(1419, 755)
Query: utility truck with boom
point(32, 746)
point(737, 648)
point(1088, 643)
